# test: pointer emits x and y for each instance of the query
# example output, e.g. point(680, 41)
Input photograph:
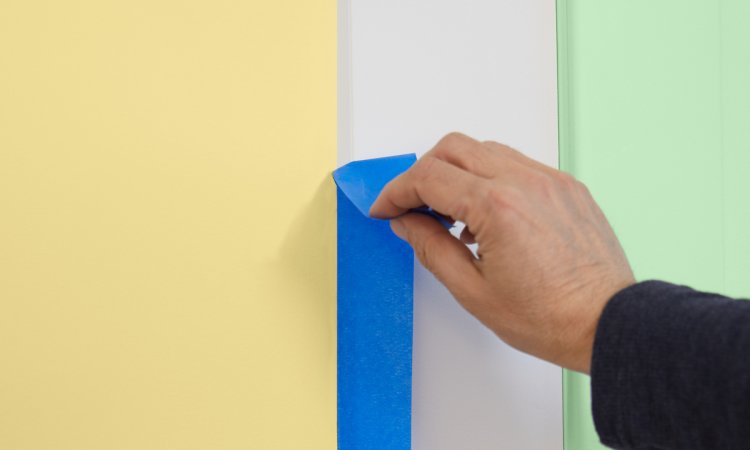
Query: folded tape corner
point(362, 181)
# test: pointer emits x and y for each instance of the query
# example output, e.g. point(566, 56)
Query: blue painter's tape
point(375, 311)
point(362, 181)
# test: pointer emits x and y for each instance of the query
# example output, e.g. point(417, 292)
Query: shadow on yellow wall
point(307, 261)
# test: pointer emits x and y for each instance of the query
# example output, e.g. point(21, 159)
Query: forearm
point(671, 369)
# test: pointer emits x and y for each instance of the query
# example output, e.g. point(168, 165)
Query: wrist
point(583, 332)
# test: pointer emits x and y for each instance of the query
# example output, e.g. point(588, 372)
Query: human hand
point(548, 260)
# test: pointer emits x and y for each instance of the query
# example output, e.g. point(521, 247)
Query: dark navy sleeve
point(671, 370)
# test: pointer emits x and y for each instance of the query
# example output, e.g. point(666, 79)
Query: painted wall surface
point(167, 227)
point(410, 72)
point(654, 114)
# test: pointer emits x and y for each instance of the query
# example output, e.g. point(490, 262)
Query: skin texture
point(547, 261)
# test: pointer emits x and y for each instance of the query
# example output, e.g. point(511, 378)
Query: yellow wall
point(167, 230)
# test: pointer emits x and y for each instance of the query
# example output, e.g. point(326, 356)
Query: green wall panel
point(655, 119)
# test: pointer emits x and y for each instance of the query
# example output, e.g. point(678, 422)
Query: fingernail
point(398, 228)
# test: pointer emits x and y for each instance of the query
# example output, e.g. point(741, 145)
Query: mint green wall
point(655, 119)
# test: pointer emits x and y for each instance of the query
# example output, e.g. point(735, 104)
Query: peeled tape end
point(362, 181)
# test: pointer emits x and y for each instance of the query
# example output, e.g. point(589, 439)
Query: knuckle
point(570, 184)
point(494, 145)
point(498, 147)
point(583, 188)
point(424, 169)
point(494, 148)
point(452, 140)
point(567, 180)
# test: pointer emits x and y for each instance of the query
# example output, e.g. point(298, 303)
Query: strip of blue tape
point(375, 312)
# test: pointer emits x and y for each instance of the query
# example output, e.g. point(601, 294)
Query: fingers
point(446, 257)
point(443, 187)
point(486, 159)
point(466, 153)
point(452, 176)
point(514, 155)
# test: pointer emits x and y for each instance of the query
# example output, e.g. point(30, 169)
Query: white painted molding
point(409, 72)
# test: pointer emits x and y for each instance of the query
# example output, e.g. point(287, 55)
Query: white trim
point(409, 72)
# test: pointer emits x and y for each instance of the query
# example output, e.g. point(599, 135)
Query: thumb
point(446, 257)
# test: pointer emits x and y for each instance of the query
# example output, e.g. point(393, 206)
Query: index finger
point(447, 189)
